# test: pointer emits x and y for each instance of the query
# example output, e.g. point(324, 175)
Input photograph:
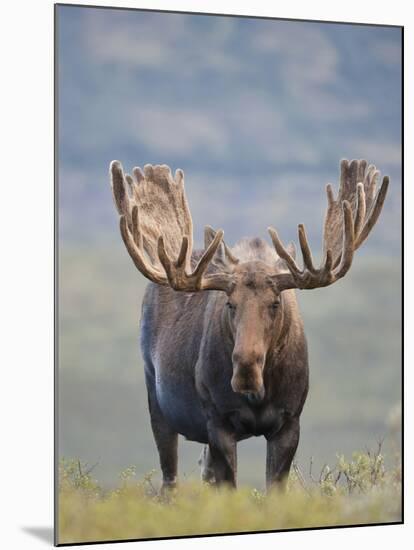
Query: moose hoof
point(168, 487)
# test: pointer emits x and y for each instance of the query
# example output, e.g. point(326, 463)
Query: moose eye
point(231, 306)
point(275, 305)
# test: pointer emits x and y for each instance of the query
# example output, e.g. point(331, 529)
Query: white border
point(27, 266)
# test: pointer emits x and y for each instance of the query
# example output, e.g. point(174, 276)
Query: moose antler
point(348, 222)
point(157, 229)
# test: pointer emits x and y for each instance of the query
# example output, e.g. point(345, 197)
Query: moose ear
point(223, 255)
point(209, 235)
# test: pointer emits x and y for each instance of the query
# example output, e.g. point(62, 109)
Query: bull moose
point(221, 334)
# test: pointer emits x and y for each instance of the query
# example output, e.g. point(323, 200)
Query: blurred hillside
point(353, 331)
point(258, 113)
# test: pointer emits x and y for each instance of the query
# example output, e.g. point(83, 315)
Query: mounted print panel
point(228, 246)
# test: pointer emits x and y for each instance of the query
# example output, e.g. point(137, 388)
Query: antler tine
point(164, 258)
point(136, 233)
point(330, 194)
point(226, 256)
point(360, 212)
point(347, 225)
point(348, 242)
point(361, 208)
point(138, 256)
point(306, 251)
point(182, 256)
point(282, 251)
point(208, 254)
point(327, 263)
point(118, 188)
point(374, 212)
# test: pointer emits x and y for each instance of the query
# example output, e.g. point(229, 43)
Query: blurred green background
point(258, 113)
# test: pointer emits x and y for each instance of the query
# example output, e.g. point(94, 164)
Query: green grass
point(356, 491)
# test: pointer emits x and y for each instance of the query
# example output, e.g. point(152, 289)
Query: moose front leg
point(223, 452)
point(166, 440)
point(281, 448)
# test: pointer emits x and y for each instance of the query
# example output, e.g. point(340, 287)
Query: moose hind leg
point(166, 440)
point(207, 467)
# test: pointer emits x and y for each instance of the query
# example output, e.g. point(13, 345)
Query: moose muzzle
point(248, 374)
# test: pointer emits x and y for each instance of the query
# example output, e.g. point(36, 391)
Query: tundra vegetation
point(361, 489)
